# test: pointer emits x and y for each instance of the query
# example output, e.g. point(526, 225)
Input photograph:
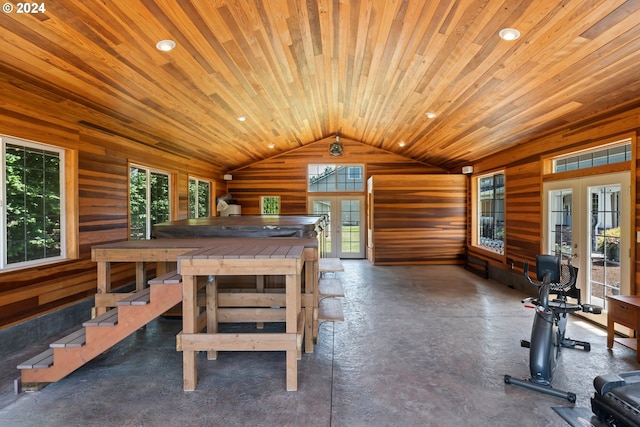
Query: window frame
point(476, 212)
point(262, 205)
point(338, 168)
point(198, 181)
point(149, 171)
point(68, 222)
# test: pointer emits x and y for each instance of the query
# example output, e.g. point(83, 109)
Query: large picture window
point(325, 178)
point(199, 198)
point(33, 205)
point(490, 212)
point(149, 201)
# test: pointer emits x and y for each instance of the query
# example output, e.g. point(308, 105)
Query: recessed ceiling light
point(272, 146)
point(242, 118)
point(165, 45)
point(430, 115)
point(509, 34)
point(401, 143)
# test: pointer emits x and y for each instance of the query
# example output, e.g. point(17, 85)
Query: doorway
point(588, 223)
point(345, 232)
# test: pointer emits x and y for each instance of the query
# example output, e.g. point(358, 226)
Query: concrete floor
point(420, 346)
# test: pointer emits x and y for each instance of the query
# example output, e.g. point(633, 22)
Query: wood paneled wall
point(286, 175)
point(102, 204)
point(523, 181)
point(418, 219)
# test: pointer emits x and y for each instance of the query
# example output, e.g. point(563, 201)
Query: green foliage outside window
point(270, 205)
point(33, 208)
point(199, 198)
point(148, 201)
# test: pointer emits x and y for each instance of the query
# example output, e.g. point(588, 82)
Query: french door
point(346, 229)
point(588, 222)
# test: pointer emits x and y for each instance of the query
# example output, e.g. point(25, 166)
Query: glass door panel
point(344, 234)
point(588, 223)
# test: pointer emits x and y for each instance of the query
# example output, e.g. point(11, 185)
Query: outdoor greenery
point(32, 185)
point(147, 206)
point(199, 198)
point(270, 205)
point(609, 244)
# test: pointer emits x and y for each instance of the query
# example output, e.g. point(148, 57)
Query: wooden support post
point(212, 312)
point(189, 326)
point(141, 275)
point(103, 283)
point(260, 288)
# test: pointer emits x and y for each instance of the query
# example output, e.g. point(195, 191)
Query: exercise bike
point(550, 322)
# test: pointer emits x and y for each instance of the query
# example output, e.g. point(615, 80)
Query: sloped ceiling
point(305, 70)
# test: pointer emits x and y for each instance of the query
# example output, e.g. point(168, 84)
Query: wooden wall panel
point(101, 183)
point(286, 175)
point(523, 170)
point(419, 219)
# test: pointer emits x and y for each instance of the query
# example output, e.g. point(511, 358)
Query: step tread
point(75, 339)
point(330, 265)
point(42, 360)
point(330, 287)
point(330, 310)
point(110, 318)
point(142, 297)
point(171, 277)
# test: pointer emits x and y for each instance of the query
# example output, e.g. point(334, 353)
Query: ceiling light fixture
point(242, 118)
point(430, 115)
point(272, 145)
point(401, 143)
point(509, 34)
point(165, 45)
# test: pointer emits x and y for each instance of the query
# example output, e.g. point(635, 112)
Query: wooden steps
point(330, 287)
point(330, 310)
point(330, 265)
point(329, 290)
point(75, 339)
point(101, 333)
point(42, 360)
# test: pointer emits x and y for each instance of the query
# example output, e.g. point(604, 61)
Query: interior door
point(588, 222)
point(345, 233)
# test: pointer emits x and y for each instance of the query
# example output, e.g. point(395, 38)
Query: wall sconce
point(228, 177)
point(467, 170)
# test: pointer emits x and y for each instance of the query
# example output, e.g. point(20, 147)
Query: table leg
point(310, 287)
point(189, 326)
point(293, 299)
point(212, 312)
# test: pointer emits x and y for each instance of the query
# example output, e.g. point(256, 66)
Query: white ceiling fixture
point(509, 34)
point(165, 45)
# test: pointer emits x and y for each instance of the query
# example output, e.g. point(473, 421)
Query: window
point(148, 200)
point(617, 153)
point(270, 205)
point(490, 212)
point(33, 220)
point(199, 198)
point(332, 178)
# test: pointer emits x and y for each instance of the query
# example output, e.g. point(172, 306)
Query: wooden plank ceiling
point(304, 70)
